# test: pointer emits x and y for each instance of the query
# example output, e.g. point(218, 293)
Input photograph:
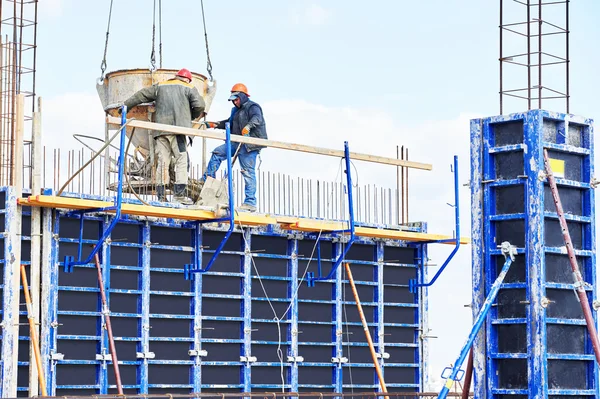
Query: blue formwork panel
point(23, 329)
point(535, 343)
point(250, 324)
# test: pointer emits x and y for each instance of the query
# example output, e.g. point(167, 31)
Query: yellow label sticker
point(449, 383)
point(558, 168)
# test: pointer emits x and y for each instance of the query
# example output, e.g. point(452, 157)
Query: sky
point(376, 74)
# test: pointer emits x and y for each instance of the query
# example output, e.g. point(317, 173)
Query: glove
point(246, 130)
point(211, 125)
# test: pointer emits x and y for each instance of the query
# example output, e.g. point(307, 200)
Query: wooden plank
point(319, 225)
point(217, 135)
point(243, 218)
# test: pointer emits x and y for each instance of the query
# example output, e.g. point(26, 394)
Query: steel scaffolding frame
point(533, 58)
point(18, 58)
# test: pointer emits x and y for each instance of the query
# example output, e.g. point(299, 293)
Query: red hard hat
point(185, 73)
point(241, 88)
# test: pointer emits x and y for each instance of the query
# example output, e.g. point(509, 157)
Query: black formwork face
point(536, 333)
point(248, 305)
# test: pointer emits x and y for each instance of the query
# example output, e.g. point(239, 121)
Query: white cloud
point(51, 8)
point(71, 113)
point(313, 14)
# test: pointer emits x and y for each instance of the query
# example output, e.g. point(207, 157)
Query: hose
point(90, 160)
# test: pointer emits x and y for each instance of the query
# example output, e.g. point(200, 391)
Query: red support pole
point(468, 376)
point(111, 341)
point(579, 281)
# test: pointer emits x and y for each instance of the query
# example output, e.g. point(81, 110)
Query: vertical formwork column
point(292, 315)
point(338, 337)
point(144, 310)
point(48, 299)
point(51, 318)
point(247, 311)
point(534, 216)
point(379, 299)
point(589, 240)
point(422, 319)
point(104, 351)
point(477, 237)
point(11, 293)
point(196, 369)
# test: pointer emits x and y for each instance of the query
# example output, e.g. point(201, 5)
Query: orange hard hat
point(241, 88)
point(185, 73)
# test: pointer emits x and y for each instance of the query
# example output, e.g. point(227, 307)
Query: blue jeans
point(247, 165)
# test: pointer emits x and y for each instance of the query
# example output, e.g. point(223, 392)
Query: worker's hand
point(246, 130)
point(211, 125)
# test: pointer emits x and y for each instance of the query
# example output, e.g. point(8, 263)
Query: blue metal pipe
point(69, 263)
point(198, 268)
point(413, 283)
point(351, 221)
point(478, 323)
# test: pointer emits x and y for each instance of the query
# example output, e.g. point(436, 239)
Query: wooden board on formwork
point(218, 135)
point(48, 201)
point(311, 225)
point(243, 218)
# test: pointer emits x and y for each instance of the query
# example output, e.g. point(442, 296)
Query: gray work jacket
point(177, 103)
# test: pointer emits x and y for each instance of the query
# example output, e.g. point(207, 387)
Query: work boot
point(180, 194)
point(247, 207)
point(160, 193)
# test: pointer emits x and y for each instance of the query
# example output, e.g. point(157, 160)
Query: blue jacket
point(249, 113)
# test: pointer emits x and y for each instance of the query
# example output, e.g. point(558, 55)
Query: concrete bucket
point(119, 85)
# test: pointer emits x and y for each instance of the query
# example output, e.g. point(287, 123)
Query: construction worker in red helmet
point(246, 119)
point(177, 103)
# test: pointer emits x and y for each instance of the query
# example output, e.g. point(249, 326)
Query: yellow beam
point(215, 134)
point(48, 201)
point(243, 218)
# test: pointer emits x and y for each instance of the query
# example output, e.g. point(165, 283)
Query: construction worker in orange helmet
point(177, 103)
point(246, 119)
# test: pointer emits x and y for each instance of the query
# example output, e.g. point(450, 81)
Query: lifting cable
point(153, 52)
point(208, 63)
point(160, 33)
point(103, 64)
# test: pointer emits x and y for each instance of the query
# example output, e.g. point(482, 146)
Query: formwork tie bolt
point(545, 302)
point(596, 304)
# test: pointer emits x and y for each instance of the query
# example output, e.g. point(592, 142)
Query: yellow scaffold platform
point(241, 218)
